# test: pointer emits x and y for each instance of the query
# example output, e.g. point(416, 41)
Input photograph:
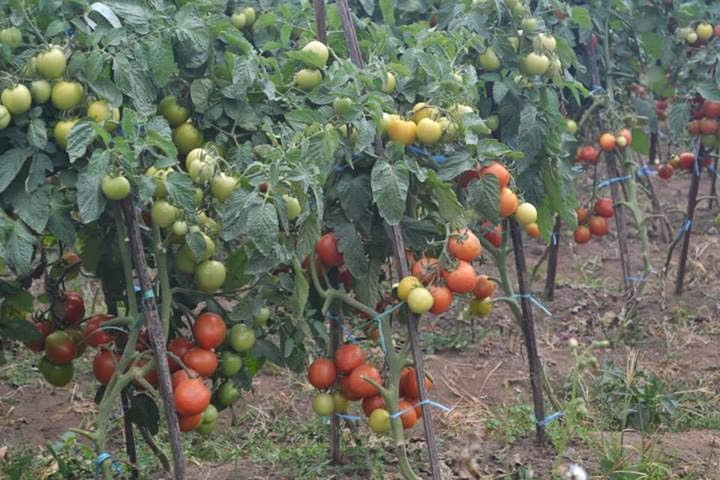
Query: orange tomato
point(442, 299)
point(508, 202)
point(500, 172)
point(484, 287)
point(464, 245)
point(462, 278)
point(426, 269)
point(607, 142)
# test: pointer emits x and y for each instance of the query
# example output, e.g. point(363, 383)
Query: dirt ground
point(675, 337)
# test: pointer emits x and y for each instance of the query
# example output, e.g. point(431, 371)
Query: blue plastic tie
point(137, 288)
point(536, 302)
point(148, 294)
point(712, 169)
point(554, 238)
point(421, 151)
point(684, 228)
point(577, 168)
point(348, 333)
point(102, 458)
point(378, 320)
point(697, 166)
point(647, 171)
point(427, 401)
point(610, 181)
point(352, 418)
point(549, 419)
point(636, 278)
point(596, 89)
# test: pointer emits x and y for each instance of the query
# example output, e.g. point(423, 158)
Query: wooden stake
point(689, 216)
point(613, 172)
point(552, 260)
point(157, 336)
point(129, 435)
point(528, 326)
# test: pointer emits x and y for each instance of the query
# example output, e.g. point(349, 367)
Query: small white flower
point(575, 472)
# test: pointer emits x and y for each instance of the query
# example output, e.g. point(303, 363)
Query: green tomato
point(222, 186)
point(230, 364)
point(40, 90)
point(341, 402)
point(163, 214)
point(342, 106)
point(379, 420)
point(66, 95)
point(180, 228)
point(187, 137)
point(103, 113)
point(238, 20)
point(197, 154)
point(323, 404)
point(56, 375)
point(249, 15)
point(529, 25)
point(210, 275)
point(17, 100)
point(420, 300)
point(242, 338)
point(571, 127)
point(492, 122)
point(319, 49)
point(293, 207)
point(390, 83)
point(480, 308)
point(62, 131)
point(489, 61)
point(202, 171)
point(228, 394)
point(536, 64)
point(5, 117)
point(205, 429)
point(185, 261)
point(210, 414)
point(173, 111)
point(52, 64)
point(262, 316)
point(115, 188)
point(526, 214)
point(307, 79)
point(12, 37)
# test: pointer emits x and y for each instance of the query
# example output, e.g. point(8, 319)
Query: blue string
point(684, 228)
point(577, 168)
point(712, 169)
point(549, 419)
point(427, 401)
point(645, 170)
point(137, 288)
point(102, 458)
point(378, 320)
point(697, 166)
point(554, 238)
point(610, 181)
point(348, 333)
point(535, 301)
point(148, 294)
point(421, 151)
point(596, 89)
point(352, 418)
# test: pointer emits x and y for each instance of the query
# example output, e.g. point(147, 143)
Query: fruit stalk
point(699, 151)
point(640, 222)
point(158, 339)
point(647, 181)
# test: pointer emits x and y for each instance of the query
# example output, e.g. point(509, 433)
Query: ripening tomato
point(665, 171)
point(370, 404)
point(73, 308)
point(442, 299)
point(402, 131)
point(56, 375)
point(462, 278)
point(180, 376)
point(493, 234)
point(711, 109)
point(189, 422)
point(327, 250)
point(358, 384)
point(379, 421)
point(582, 234)
point(598, 226)
point(708, 126)
point(409, 417)
point(426, 269)
point(508, 202)
point(606, 141)
point(500, 172)
point(104, 364)
point(44, 329)
point(93, 334)
point(179, 346)
point(686, 160)
point(533, 230)
point(322, 373)
point(323, 404)
point(348, 357)
point(192, 397)
point(209, 330)
point(604, 207)
point(203, 361)
point(420, 300)
point(464, 245)
point(581, 214)
point(404, 373)
point(410, 385)
point(484, 287)
point(346, 389)
point(60, 347)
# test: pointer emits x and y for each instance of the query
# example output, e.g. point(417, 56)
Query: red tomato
point(204, 362)
point(410, 385)
point(60, 348)
point(181, 375)
point(93, 335)
point(604, 207)
point(598, 226)
point(582, 234)
point(179, 346)
point(370, 404)
point(493, 234)
point(665, 171)
point(327, 250)
point(73, 308)
point(209, 330)
point(104, 365)
point(191, 397)
point(359, 386)
point(322, 373)
point(347, 357)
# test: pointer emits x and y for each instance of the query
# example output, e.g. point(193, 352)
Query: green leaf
point(303, 117)
point(192, 39)
point(350, 244)
point(263, 228)
point(301, 289)
point(444, 197)
point(200, 91)
point(19, 248)
point(91, 201)
point(81, 136)
point(61, 224)
point(387, 7)
point(531, 132)
point(484, 196)
point(136, 83)
point(11, 162)
point(235, 267)
point(39, 168)
point(641, 141)
point(18, 329)
point(163, 65)
point(678, 117)
point(33, 208)
point(196, 242)
point(355, 195)
point(581, 16)
point(307, 235)
point(310, 59)
point(144, 412)
point(158, 133)
point(181, 190)
point(37, 133)
point(390, 185)
point(709, 90)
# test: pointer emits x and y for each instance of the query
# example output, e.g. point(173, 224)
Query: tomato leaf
point(192, 39)
point(91, 201)
point(135, 83)
point(33, 209)
point(11, 163)
point(355, 195)
point(307, 235)
point(484, 196)
point(390, 184)
point(19, 246)
point(263, 227)
point(37, 133)
point(81, 136)
point(678, 117)
point(144, 412)
point(181, 190)
point(444, 197)
point(40, 166)
point(301, 289)
point(640, 141)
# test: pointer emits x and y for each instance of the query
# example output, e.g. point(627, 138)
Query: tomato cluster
point(595, 224)
point(352, 378)
point(704, 123)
